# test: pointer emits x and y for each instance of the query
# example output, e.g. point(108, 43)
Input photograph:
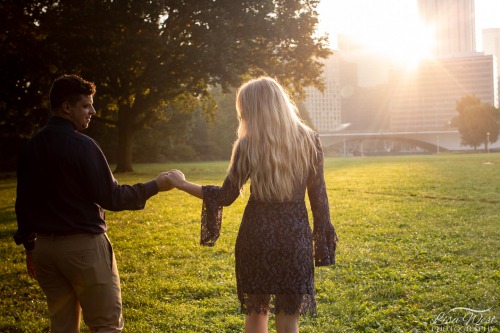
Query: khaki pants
point(78, 273)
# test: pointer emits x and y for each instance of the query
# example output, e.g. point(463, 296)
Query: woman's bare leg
point(256, 323)
point(287, 323)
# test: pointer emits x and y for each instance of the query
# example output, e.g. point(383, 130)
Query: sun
point(388, 28)
point(406, 45)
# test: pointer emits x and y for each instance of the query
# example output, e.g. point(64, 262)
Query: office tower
point(491, 42)
point(324, 107)
point(453, 24)
point(426, 99)
point(491, 45)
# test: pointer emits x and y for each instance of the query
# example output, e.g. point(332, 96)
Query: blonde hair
point(274, 148)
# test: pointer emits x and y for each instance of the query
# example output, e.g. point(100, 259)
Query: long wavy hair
point(274, 147)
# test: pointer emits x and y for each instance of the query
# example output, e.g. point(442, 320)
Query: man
point(64, 185)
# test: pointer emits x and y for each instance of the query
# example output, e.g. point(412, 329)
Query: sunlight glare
point(393, 32)
point(405, 45)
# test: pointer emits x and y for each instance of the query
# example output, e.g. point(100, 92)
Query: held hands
point(175, 178)
point(163, 183)
point(170, 179)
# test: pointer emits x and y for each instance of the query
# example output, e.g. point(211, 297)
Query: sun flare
point(393, 32)
point(405, 46)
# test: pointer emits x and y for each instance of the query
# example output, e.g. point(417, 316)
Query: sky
point(391, 29)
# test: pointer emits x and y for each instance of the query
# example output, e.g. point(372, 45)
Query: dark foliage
point(145, 55)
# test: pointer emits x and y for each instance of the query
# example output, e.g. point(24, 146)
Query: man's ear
point(65, 107)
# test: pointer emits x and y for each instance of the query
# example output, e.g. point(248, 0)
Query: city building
point(324, 108)
point(491, 45)
point(453, 23)
point(491, 42)
point(426, 99)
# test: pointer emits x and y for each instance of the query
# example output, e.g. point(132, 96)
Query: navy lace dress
point(275, 249)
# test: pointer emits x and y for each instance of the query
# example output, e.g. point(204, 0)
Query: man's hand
point(163, 182)
point(29, 264)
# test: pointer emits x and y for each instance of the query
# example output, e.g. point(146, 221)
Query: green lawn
point(419, 237)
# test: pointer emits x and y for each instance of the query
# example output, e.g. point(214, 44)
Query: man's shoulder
point(85, 142)
point(84, 138)
point(73, 138)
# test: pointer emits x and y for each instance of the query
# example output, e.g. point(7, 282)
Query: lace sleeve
point(324, 236)
point(214, 198)
point(211, 216)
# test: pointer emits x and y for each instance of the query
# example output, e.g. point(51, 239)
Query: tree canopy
point(148, 58)
point(477, 123)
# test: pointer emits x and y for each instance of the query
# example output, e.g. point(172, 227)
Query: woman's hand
point(177, 179)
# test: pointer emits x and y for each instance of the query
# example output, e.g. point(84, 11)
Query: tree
point(143, 55)
point(477, 123)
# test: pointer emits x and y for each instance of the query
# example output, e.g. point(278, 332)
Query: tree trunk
point(125, 141)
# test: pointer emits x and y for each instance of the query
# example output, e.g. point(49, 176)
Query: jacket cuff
point(151, 188)
point(29, 245)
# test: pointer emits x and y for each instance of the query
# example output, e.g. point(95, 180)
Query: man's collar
point(63, 122)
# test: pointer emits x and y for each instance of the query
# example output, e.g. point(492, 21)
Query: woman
point(275, 248)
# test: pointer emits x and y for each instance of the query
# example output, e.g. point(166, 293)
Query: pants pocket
point(107, 250)
point(82, 268)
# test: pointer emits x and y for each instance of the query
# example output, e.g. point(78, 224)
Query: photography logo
point(465, 320)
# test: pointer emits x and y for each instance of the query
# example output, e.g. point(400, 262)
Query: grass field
point(419, 239)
